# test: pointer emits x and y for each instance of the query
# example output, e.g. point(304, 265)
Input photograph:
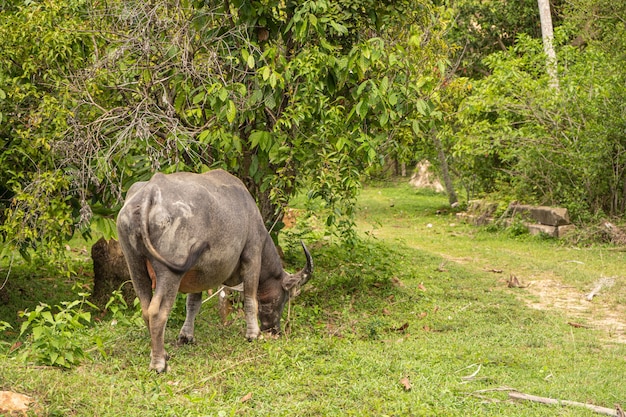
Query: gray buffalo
point(187, 233)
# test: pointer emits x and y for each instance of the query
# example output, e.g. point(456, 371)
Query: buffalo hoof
point(159, 366)
point(184, 339)
point(252, 335)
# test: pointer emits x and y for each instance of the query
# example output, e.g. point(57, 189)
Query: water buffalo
point(193, 232)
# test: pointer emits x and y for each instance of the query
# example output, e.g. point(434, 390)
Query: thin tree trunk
point(548, 42)
point(445, 172)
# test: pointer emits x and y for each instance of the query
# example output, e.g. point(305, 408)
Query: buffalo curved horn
point(294, 281)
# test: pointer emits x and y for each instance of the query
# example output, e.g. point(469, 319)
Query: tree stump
point(110, 272)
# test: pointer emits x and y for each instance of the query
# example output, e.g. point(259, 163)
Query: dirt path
point(550, 293)
point(547, 291)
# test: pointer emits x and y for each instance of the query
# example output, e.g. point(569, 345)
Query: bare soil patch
point(550, 293)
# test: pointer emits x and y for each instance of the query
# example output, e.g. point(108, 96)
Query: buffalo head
point(273, 294)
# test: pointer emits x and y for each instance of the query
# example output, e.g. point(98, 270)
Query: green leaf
point(341, 29)
point(254, 166)
point(260, 138)
point(361, 108)
point(302, 30)
point(203, 136)
point(416, 127)
point(37, 332)
point(384, 85)
point(86, 316)
point(250, 61)
point(255, 97)
point(384, 118)
point(199, 97)
point(371, 154)
point(223, 94)
point(270, 101)
point(341, 142)
point(255, 137)
point(359, 90)
point(47, 316)
point(24, 327)
point(266, 73)
point(422, 107)
point(231, 112)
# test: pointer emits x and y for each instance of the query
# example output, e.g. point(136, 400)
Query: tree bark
point(445, 172)
point(548, 42)
point(110, 272)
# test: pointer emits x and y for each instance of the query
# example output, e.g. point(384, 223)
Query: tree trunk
point(548, 45)
point(110, 272)
point(445, 172)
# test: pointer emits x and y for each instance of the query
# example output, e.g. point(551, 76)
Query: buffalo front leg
point(194, 302)
point(250, 271)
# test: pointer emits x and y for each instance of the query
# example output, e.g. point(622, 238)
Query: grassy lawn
point(418, 320)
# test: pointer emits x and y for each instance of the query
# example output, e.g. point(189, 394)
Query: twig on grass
point(478, 393)
point(473, 375)
point(617, 412)
point(215, 374)
point(578, 325)
point(505, 388)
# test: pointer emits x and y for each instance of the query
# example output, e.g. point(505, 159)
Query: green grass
point(415, 300)
point(419, 220)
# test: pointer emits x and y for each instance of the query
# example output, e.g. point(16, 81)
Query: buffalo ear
point(292, 283)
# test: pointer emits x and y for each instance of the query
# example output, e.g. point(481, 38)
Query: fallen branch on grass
point(603, 282)
point(578, 325)
point(617, 412)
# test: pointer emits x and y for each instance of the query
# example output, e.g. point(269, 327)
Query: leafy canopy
point(289, 96)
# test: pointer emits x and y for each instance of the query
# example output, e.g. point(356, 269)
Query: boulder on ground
point(14, 404)
point(551, 216)
point(479, 212)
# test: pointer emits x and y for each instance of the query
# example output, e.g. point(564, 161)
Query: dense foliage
point(562, 146)
point(300, 97)
point(40, 44)
point(288, 96)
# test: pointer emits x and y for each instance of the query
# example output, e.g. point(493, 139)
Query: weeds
point(120, 313)
point(53, 336)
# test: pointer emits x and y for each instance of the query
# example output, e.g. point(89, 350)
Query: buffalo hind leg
point(158, 313)
point(140, 278)
point(194, 302)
